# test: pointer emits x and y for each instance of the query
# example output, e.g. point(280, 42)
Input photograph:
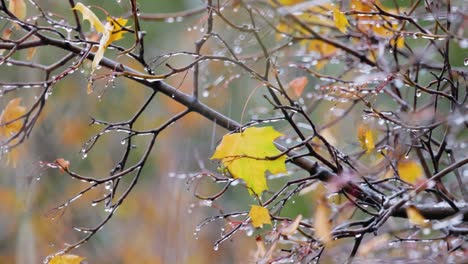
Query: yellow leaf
point(322, 47)
point(289, 2)
point(117, 29)
point(90, 16)
point(66, 259)
point(64, 165)
point(259, 216)
point(245, 155)
point(366, 138)
point(12, 111)
point(410, 171)
point(322, 223)
point(415, 217)
point(298, 85)
point(341, 22)
point(18, 8)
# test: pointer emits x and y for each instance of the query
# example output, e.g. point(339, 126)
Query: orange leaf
point(410, 171)
point(415, 217)
point(298, 85)
point(64, 165)
point(18, 8)
point(259, 215)
point(322, 223)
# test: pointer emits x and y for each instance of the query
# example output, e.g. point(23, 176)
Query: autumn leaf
point(298, 85)
point(341, 22)
point(66, 259)
point(410, 171)
point(12, 111)
point(259, 216)
point(245, 155)
point(322, 223)
point(64, 165)
point(18, 8)
point(292, 227)
point(111, 31)
point(366, 138)
point(90, 16)
point(415, 217)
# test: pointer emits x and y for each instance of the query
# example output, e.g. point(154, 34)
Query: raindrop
point(216, 247)
point(170, 20)
point(206, 93)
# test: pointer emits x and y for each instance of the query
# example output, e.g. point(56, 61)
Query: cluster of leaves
point(371, 105)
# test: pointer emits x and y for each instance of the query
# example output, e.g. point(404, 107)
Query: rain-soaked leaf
point(415, 217)
point(18, 8)
point(111, 31)
point(64, 165)
point(66, 259)
point(298, 85)
point(12, 111)
point(410, 171)
point(259, 216)
point(341, 22)
point(366, 138)
point(248, 155)
point(292, 227)
point(90, 16)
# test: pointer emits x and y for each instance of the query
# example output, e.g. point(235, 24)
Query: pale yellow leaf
point(103, 43)
point(410, 171)
point(292, 227)
point(341, 22)
point(18, 8)
point(415, 217)
point(259, 216)
point(66, 259)
point(322, 224)
point(373, 244)
point(90, 16)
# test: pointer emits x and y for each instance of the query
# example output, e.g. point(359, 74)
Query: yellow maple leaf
point(118, 25)
point(410, 171)
point(341, 22)
point(322, 225)
point(12, 111)
point(66, 259)
point(322, 47)
point(366, 138)
point(415, 217)
point(245, 155)
point(259, 216)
